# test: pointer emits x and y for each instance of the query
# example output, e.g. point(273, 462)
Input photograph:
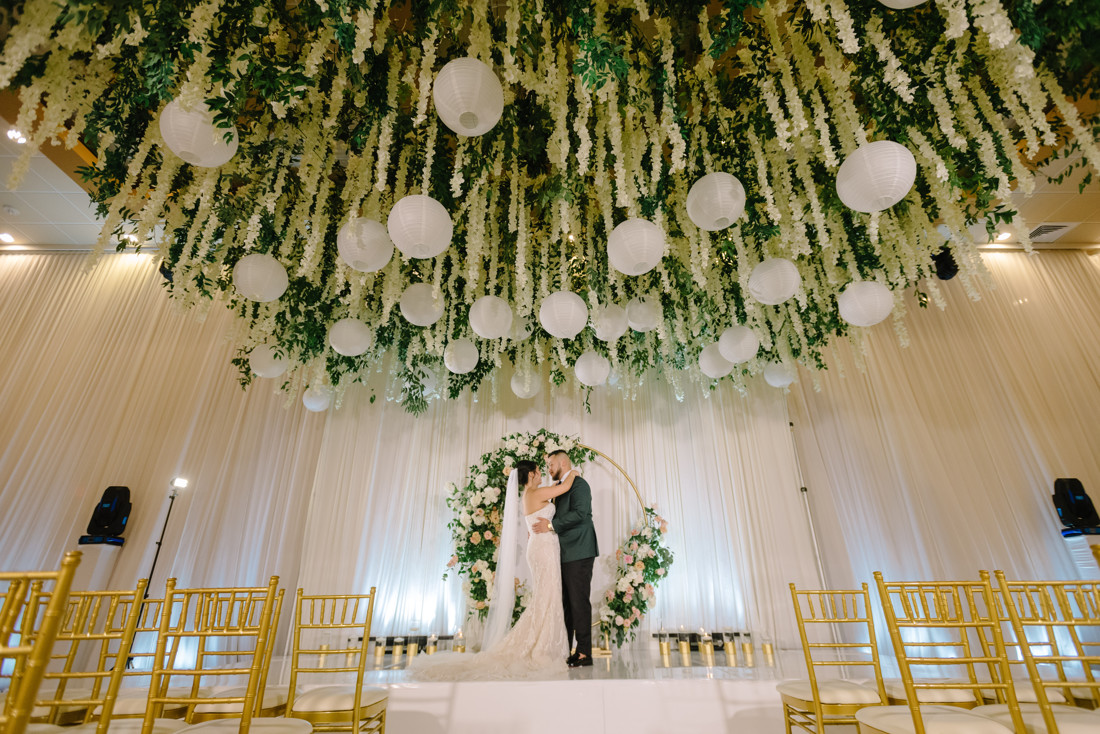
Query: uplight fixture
point(179, 483)
point(1003, 236)
point(15, 135)
point(5, 237)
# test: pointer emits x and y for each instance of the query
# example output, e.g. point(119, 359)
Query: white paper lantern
point(350, 337)
point(738, 344)
point(526, 385)
point(713, 364)
point(636, 246)
point(609, 322)
point(420, 226)
point(902, 4)
point(592, 369)
point(192, 136)
point(643, 314)
point(317, 398)
point(460, 356)
point(778, 374)
point(491, 317)
point(876, 176)
point(865, 303)
point(260, 277)
point(468, 97)
point(419, 306)
point(716, 201)
point(365, 245)
point(563, 314)
point(265, 363)
point(774, 281)
point(519, 331)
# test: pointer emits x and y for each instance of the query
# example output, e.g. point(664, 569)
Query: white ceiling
point(50, 211)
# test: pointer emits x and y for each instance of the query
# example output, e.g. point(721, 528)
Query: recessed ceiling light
point(1003, 236)
point(14, 134)
point(5, 237)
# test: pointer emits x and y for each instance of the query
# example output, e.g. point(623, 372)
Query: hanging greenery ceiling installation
point(612, 110)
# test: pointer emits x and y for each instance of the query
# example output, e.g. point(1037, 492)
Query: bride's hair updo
point(525, 469)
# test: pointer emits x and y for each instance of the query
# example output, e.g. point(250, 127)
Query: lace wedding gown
point(536, 645)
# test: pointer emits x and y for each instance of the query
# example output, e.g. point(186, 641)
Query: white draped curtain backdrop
point(936, 461)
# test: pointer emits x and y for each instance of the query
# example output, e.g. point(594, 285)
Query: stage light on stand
point(178, 483)
point(175, 486)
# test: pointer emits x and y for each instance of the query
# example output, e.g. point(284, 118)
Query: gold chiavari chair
point(1037, 611)
point(935, 624)
point(272, 700)
point(89, 654)
point(26, 656)
point(231, 629)
point(817, 701)
point(350, 707)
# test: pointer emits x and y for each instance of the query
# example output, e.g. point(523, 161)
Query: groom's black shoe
point(571, 659)
point(579, 662)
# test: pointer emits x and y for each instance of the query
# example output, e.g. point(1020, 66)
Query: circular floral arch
point(642, 560)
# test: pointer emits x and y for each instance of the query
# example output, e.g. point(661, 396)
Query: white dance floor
point(632, 692)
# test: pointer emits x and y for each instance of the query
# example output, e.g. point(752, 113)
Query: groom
point(577, 536)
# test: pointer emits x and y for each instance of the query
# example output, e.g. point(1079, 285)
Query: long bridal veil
point(503, 598)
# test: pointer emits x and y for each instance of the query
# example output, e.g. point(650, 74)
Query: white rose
point(492, 494)
point(450, 487)
point(623, 584)
point(481, 480)
point(648, 533)
point(465, 519)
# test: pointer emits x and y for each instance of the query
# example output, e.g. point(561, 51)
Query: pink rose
point(451, 563)
point(619, 620)
point(610, 595)
point(629, 559)
point(475, 538)
point(488, 535)
point(638, 565)
point(634, 546)
point(660, 572)
point(481, 605)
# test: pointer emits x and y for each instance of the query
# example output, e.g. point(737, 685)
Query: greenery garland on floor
point(613, 108)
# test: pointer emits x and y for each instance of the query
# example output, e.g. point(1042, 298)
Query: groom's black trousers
point(576, 585)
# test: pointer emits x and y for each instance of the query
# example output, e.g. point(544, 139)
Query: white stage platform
point(631, 692)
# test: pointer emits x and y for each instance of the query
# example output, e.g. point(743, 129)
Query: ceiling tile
point(45, 235)
point(1083, 208)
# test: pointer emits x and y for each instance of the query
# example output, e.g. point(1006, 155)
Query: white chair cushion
point(273, 697)
point(131, 701)
point(130, 726)
point(277, 725)
point(338, 698)
point(1025, 693)
point(937, 720)
point(896, 689)
point(1070, 720)
point(835, 691)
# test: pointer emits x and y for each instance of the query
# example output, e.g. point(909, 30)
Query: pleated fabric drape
point(935, 461)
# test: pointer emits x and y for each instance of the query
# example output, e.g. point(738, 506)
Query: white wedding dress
point(536, 646)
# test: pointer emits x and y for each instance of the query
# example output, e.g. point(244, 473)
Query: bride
point(536, 645)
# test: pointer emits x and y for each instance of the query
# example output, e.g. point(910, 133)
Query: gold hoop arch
point(621, 471)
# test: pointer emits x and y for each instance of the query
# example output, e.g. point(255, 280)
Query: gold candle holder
point(746, 650)
point(731, 652)
point(459, 642)
point(349, 657)
point(398, 648)
point(433, 645)
point(379, 651)
point(685, 648)
point(665, 647)
point(769, 654)
point(414, 648)
point(706, 647)
point(322, 657)
point(666, 659)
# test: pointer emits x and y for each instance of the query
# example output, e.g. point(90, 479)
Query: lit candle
point(433, 644)
point(706, 647)
point(663, 644)
point(379, 651)
point(731, 648)
point(398, 648)
point(459, 642)
point(746, 649)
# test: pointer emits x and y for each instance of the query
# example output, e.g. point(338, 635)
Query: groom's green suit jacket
point(573, 523)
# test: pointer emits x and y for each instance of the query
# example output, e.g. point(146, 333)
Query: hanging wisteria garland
point(612, 110)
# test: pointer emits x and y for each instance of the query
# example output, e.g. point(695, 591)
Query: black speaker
point(111, 513)
point(1075, 509)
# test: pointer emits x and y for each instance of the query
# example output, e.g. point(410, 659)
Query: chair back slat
point(90, 652)
point(948, 626)
point(343, 618)
point(1055, 628)
point(25, 647)
point(230, 629)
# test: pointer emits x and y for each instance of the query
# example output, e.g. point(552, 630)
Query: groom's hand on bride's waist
point(542, 525)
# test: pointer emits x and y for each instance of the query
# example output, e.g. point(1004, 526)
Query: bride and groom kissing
point(560, 547)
